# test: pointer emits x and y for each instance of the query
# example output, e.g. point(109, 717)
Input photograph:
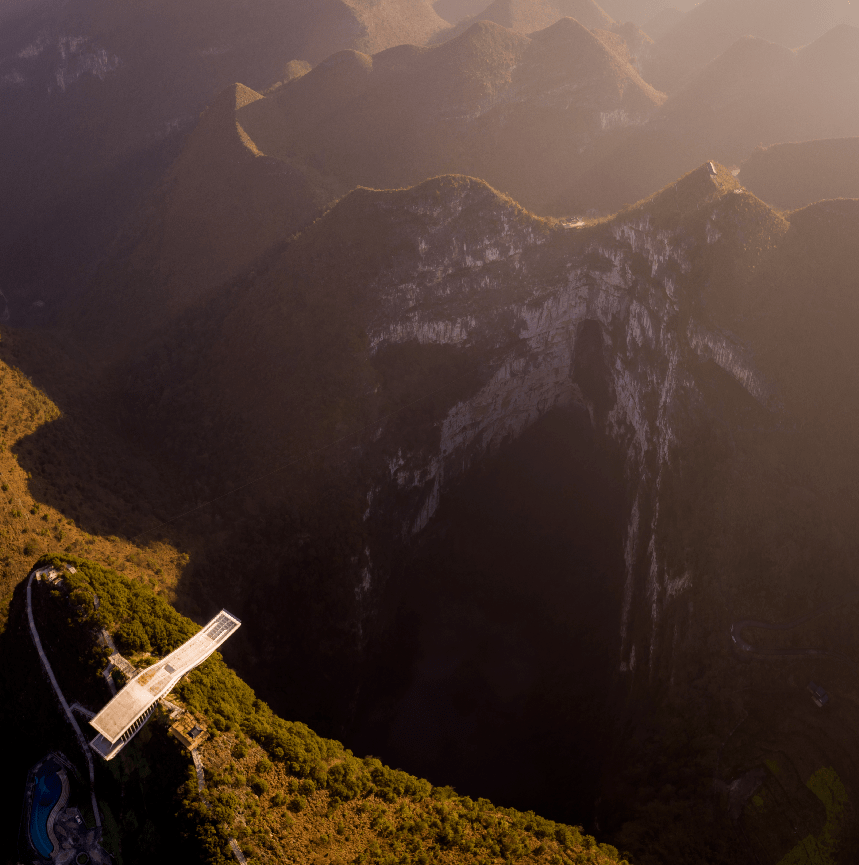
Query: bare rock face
point(621, 317)
point(602, 316)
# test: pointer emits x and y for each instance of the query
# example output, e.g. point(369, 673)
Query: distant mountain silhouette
point(526, 16)
point(791, 176)
point(713, 26)
point(96, 97)
point(755, 93)
point(641, 11)
point(529, 16)
point(760, 92)
point(659, 24)
point(455, 11)
point(751, 66)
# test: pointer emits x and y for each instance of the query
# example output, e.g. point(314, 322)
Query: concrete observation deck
point(126, 713)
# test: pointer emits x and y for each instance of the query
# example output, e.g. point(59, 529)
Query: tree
point(131, 637)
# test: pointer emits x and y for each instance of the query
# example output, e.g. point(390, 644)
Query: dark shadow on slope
point(79, 463)
point(496, 669)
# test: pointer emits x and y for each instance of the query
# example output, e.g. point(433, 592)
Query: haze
point(493, 365)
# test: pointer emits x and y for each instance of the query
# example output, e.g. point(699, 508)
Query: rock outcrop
point(621, 317)
point(614, 324)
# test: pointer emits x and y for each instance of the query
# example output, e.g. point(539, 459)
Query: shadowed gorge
point(492, 367)
point(497, 658)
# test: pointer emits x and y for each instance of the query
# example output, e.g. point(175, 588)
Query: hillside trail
point(737, 629)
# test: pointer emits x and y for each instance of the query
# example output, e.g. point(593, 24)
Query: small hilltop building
point(189, 731)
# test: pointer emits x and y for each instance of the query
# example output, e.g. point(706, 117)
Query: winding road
point(46, 664)
point(738, 627)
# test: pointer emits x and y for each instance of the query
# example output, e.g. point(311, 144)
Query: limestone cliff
point(615, 322)
point(620, 316)
point(315, 412)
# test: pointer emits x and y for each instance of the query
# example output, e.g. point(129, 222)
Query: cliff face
point(614, 322)
point(317, 410)
point(627, 317)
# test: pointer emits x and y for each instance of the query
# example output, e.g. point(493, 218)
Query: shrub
point(263, 766)
point(224, 808)
point(297, 804)
point(278, 799)
point(258, 785)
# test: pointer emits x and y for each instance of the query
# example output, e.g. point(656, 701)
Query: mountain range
point(114, 91)
point(406, 335)
point(756, 93)
point(711, 27)
point(68, 66)
point(260, 168)
point(794, 175)
point(508, 398)
point(528, 16)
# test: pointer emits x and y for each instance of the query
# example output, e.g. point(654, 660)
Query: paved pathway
point(71, 718)
point(109, 679)
point(81, 710)
point(198, 765)
point(201, 785)
point(234, 846)
point(107, 640)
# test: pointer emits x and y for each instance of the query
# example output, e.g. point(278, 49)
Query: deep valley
point(495, 366)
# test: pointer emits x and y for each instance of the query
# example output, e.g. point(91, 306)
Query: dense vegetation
point(277, 770)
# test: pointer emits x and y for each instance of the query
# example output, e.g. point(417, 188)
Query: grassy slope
point(33, 469)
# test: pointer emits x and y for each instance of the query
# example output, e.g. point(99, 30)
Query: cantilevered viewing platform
point(127, 712)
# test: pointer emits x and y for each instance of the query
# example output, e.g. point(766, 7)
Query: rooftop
point(158, 680)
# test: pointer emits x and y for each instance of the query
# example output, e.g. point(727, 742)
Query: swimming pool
point(46, 794)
